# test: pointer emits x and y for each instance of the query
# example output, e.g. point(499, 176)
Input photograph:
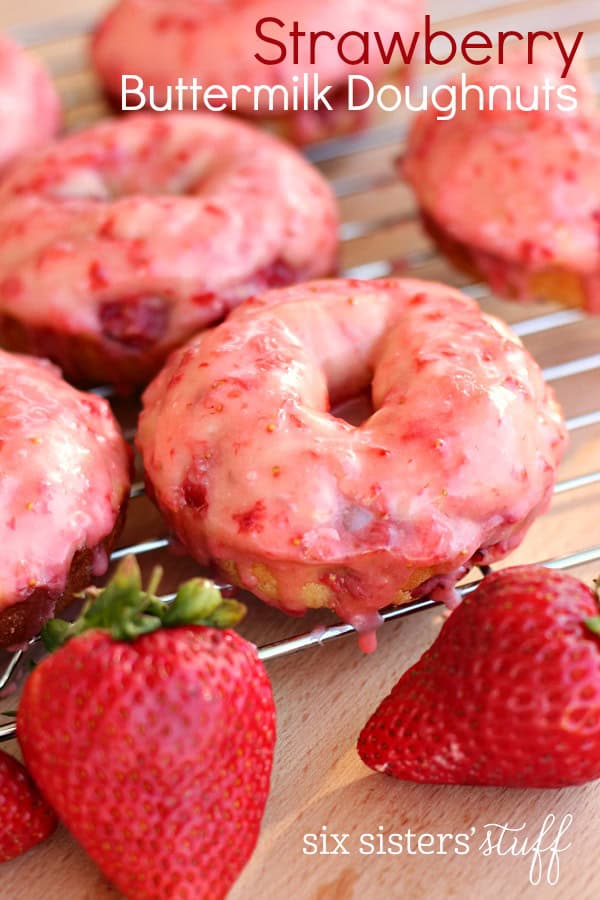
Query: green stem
point(593, 623)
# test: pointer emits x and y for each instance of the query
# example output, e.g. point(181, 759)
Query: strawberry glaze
point(64, 473)
point(29, 106)
point(163, 40)
point(137, 233)
point(523, 192)
point(304, 509)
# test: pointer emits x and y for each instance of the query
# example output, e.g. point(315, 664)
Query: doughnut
point(255, 474)
point(217, 43)
point(64, 483)
point(520, 204)
point(119, 242)
point(29, 106)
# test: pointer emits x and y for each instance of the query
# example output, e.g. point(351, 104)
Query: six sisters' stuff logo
point(541, 846)
point(280, 45)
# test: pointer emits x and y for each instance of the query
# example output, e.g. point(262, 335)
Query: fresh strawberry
point(152, 732)
point(509, 693)
point(26, 819)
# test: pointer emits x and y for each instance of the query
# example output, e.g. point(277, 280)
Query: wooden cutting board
point(325, 695)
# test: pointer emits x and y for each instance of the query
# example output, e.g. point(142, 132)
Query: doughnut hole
point(355, 410)
point(136, 322)
point(85, 183)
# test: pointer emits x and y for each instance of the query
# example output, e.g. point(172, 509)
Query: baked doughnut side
point(253, 472)
point(65, 476)
point(87, 359)
point(510, 280)
point(24, 619)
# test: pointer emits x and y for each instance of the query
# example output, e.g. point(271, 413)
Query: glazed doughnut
point(64, 483)
point(163, 40)
point(29, 107)
point(254, 473)
point(520, 204)
point(120, 242)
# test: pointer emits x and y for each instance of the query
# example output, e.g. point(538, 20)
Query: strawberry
point(26, 819)
point(151, 730)
point(508, 694)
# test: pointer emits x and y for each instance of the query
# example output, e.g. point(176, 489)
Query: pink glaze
point(64, 474)
point(522, 189)
point(367, 625)
point(29, 107)
point(250, 468)
point(162, 40)
point(142, 231)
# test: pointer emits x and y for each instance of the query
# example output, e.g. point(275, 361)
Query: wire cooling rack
point(380, 236)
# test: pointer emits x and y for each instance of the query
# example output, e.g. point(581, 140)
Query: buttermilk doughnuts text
point(29, 106)
point(120, 242)
point(253, 472)
point(164, 41)
point(64, 483)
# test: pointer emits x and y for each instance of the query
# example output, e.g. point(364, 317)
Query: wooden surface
point(324, 696)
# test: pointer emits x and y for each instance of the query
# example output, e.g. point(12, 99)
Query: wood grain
point(325, 696)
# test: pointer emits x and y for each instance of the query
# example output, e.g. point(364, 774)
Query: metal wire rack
point(367, 235)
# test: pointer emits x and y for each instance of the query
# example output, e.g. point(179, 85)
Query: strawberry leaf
point(127, 611)
point(593, 624)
